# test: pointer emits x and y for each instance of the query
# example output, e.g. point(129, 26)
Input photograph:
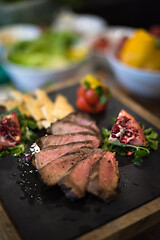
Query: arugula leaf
point(151, 138)
point(153, 144)
point(142, 126)
point(31, 124)
point(112, 119)
point(105, 132)
point(147, 131)
point(137, 161)
point(17, 150)
point(4, 153)
point(9, 112)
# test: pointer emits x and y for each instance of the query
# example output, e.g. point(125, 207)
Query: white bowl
point(89, 25)
point(17, 32)
point(30, 78)
point(27, 78)
point(143, 83)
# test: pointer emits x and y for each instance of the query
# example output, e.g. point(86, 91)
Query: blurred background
point(133, 13)
point(106, 21)
point(61, 13)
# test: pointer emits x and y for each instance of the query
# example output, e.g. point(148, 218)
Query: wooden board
point(144, 216)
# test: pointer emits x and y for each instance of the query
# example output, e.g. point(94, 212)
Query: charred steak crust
point(50, 153)
point(104, 178)
point(68, 138)
point(74, 183)
point(55, 170)
point(82, 119)
point(65, 126)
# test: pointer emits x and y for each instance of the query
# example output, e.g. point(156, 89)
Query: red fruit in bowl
point(10, 132)
point(155, 30)
point(127, 130)
point(101, 44)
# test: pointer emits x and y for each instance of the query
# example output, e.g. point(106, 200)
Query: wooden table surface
point(127, 226)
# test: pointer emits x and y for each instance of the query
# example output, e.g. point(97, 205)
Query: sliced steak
point(82, 119)
point(48, 154)
point(104, 177)
point(68, 138)
point(65, 126)
point(56, 169)
point(74, 183)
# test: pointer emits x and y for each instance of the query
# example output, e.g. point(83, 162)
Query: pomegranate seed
point(115, 129)
point(28, 159)
point(128, 134)
point(113, 135)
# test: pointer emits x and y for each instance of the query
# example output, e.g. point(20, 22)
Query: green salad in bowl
point(51, 50)
point(52, 56)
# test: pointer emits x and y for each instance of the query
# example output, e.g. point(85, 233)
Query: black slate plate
point(41, 213)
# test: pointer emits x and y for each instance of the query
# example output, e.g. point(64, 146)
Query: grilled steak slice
point(104, 177)
point(68, 138)
point(56, 169)
point(65, 126)
point(82, 119)
point(48, 154)
point(74, 183)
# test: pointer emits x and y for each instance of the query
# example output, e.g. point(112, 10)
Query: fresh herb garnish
point(28, 128)
point(137, 152)
point(87, 85)
point(99, 90)
point(112, 119)
point(17, 150)
point(103, 99)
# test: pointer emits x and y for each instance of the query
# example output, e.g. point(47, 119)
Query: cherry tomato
point(83, 105)
point(81, 91)
point(89, 101)
point(91, 96)
point(100, 107)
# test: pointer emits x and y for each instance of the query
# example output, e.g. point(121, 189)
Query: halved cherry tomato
point(100, 107)
point(81, 91)
point(89, 101)
point(91, 96)
point(83, 105)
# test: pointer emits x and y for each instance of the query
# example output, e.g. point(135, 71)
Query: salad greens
point(28, 128)
point(49, 49)
point(137, 152)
